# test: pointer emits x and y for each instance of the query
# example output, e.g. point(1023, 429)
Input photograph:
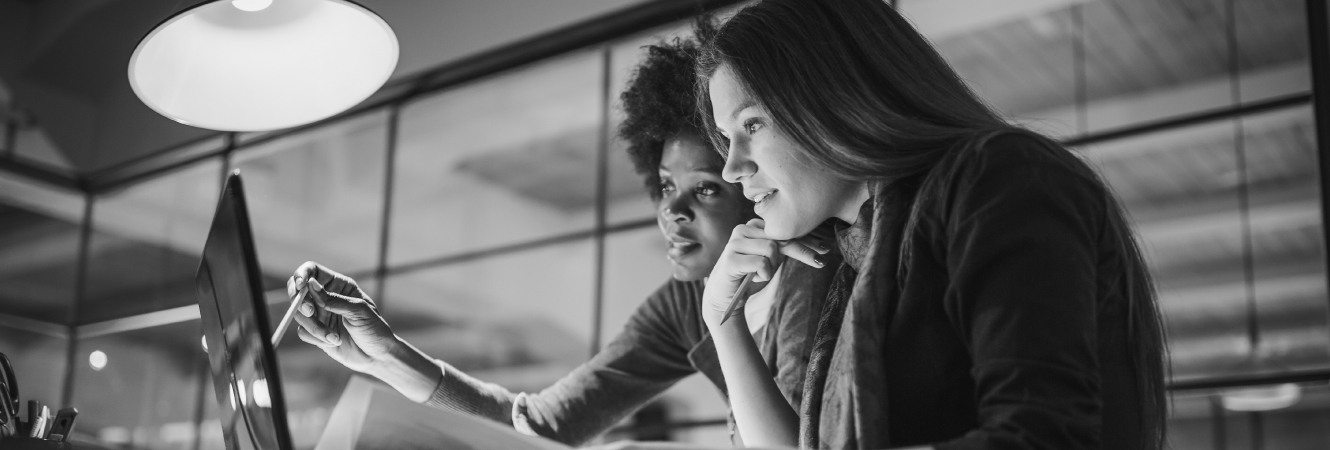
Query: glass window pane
point(1287, 240)
point(635, 266)
point(317, 196)
point(1195, 214)
point(504, 160)
point(1151, 59)
point(147, 243)
point(1272, 46)
point(522, 320)
point(39, 245)
point(1191, 421)
point(1019, 59)
point(140, 388)
point(1142, 60)
point(1306, 424)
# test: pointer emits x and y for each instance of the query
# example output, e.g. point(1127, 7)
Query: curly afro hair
point(660, 101)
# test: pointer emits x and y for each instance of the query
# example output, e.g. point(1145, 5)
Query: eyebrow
point(747, 103)
point(706, 167)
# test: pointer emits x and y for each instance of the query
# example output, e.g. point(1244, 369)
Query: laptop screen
point(236, 327)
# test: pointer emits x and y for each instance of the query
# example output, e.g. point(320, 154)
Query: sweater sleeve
point(647, 357)
point(1022, 225)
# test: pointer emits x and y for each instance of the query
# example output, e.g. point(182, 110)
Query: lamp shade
point(254, 65)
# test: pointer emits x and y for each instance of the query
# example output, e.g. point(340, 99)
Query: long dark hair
point(867, 97)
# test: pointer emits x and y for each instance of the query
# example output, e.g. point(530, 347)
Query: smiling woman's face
point(791, 193)
point(697, 210)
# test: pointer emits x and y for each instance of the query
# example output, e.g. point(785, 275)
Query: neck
point(850, 211)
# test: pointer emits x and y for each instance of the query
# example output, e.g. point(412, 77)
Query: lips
point(759, 195)
point(679, 246)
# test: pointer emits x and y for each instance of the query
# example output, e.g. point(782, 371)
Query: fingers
point(291, 288)
point(815, 243)
point(802, 253)
point(753, 252)
point(309, 338)
point(747, 246)
point(317, 330)
point(328, 278)
point(751, 239)
point(347, 307)
point(760, 265)
point(307, 271)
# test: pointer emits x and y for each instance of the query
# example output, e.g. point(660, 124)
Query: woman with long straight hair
point(992, 294)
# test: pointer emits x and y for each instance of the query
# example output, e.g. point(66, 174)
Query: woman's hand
point(337, 316)
point(751, 251)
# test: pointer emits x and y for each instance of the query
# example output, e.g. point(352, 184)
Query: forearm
point(761, 413)
point(425, 380)
point(409, 371)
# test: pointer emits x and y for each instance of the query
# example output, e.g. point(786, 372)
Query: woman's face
point(697, 210)
point(791, 192)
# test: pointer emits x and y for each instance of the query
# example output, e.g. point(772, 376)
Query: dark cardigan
point(1004, 328)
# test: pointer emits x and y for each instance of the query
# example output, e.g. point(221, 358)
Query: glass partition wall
point(499, 224)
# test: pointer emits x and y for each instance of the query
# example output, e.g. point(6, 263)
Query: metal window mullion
point(385, 219)
point(602, 197)
point(80, 294)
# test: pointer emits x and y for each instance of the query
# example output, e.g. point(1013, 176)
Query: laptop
point(245, 376)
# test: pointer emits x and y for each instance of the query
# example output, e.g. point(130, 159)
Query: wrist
point(713, 311)
point(737, 326)
point(407, 370)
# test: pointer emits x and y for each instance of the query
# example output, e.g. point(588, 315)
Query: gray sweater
point(664, 341)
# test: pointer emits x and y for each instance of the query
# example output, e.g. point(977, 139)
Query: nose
point(737, 164)
point(676, 208)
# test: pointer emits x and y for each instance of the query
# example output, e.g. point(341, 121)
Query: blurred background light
point(97, 359)
point(261, 397)
point(1262, 398)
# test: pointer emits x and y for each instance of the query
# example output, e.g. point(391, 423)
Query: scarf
point(849, 410)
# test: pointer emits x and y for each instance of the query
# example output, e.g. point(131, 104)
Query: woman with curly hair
point(664, 341)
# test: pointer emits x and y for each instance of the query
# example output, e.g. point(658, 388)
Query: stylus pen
point(738, 297)
point(286, 320)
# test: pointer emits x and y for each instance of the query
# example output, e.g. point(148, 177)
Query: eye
point(666, 187)
point(708, 189)
point(752, 125)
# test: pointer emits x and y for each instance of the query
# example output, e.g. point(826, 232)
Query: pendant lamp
point(258, 65)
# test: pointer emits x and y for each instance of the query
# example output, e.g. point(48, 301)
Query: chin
point(782, 227)
point(687, 274)
point(687, 270)
point(778, 231)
